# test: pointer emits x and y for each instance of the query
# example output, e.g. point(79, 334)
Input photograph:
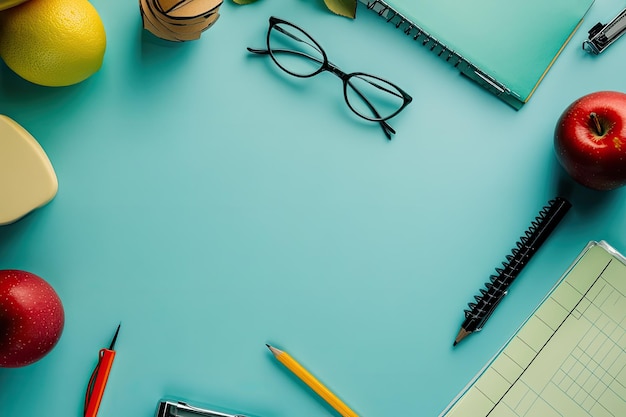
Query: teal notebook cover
point(505, 45)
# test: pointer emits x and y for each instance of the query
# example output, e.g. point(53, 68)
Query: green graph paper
point(569, 357)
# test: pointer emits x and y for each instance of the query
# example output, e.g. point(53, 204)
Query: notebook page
point(569, 358)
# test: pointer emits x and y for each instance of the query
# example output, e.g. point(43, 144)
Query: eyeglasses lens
point(294, 51)
point(373, 98)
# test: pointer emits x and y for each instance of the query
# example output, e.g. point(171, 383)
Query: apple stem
point(596, 123)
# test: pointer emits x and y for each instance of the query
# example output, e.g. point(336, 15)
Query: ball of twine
point(179, 20)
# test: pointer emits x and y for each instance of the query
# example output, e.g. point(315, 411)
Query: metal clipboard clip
point(601, 36)
point(182, 409)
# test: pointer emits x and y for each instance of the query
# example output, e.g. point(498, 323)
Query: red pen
point(99, 377)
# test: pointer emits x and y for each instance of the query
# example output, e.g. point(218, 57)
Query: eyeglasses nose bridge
point(338, 72)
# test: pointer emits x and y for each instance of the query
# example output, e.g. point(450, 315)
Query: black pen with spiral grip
point(493, 292)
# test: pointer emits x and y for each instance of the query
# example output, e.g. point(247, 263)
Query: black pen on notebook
point(497, 287)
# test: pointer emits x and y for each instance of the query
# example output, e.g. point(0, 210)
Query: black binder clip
point(603, 35)
point(167, 408)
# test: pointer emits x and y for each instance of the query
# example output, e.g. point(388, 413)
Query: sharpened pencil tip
point(272, 349)
point(462, 334)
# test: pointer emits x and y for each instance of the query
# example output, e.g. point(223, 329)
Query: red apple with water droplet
point(590, 140)
point(31, 318)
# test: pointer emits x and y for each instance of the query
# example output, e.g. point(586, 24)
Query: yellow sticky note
point(27, 178)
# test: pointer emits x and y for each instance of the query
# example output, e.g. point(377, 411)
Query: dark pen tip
point(112, 346)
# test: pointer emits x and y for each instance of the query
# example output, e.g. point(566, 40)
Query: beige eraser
point(27, 178)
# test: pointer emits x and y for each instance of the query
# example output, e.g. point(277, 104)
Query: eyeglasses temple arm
point(386, 90)
point(297, 39)
point(258, 51)
point(287, 51)
point(387, 129)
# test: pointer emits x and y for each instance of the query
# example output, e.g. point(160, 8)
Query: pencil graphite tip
point(462, 334)
point(273, 349)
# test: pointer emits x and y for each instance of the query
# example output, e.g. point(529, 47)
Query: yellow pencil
point(306, 377)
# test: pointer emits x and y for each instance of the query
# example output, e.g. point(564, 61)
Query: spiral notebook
point(506, 46)
point(568, 358)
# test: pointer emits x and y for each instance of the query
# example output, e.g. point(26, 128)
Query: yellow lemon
point(52, 42)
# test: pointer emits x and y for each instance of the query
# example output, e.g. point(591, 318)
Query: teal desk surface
point(213, 204)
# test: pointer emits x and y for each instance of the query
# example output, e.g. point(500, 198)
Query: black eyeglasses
point(298, 54)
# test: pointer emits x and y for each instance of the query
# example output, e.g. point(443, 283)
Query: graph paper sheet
point(569, 358)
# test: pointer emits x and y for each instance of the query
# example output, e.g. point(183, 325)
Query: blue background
point(212, 204)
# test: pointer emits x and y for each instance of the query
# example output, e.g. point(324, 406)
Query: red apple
point(590, 140)
point(31, 318)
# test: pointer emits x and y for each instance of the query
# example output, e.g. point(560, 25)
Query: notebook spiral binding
point(418, 34)
point(540, 228)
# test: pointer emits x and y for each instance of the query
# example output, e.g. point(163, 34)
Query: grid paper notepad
point(569, 357)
